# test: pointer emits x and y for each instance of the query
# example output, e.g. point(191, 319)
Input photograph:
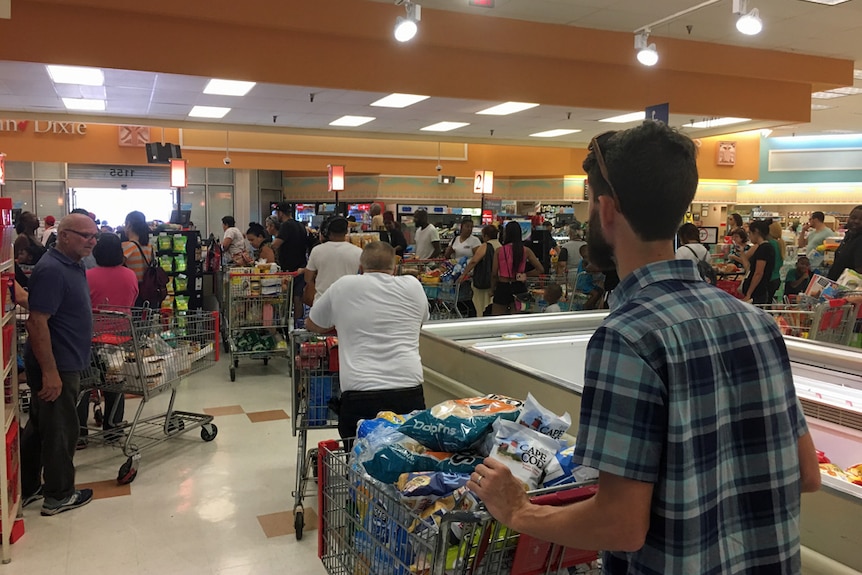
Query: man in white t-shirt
point(814, 233)
point(426, 237)
point(331, 260)
point(570, 254)
point(690, 247)
point(378, 316)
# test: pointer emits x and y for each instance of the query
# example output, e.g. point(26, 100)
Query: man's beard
point(600, 251)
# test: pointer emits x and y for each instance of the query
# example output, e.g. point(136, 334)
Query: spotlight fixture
point(406, 28)
point(647, 53)
point(749, 22)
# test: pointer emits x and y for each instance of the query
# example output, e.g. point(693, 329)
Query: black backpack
point(482, 271)
point(154, 285)
point(707, 272)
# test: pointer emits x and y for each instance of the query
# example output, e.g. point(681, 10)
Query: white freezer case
point(545, 355)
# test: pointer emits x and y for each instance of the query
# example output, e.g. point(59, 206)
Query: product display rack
point(193, 271)
point(10, 476)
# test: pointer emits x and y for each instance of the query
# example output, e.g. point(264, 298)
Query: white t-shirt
point(378, 317)
point(466, 247)
point(553, 308)
point(573, 253)
point(332, 260)
point(237, 241)
point(698, 252)
point(425, 241)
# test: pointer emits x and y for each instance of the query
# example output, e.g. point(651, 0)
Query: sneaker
point(28, 499)
point(81, 444)
point(78, 499)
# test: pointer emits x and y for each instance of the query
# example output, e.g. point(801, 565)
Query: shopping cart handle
point(838, 302)
point(566, 497)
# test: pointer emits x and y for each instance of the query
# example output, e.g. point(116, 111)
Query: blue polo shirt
point(58, 287)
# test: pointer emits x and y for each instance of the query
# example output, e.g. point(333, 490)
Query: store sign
point(2, 169)
point(44, 127)
point(483, 182)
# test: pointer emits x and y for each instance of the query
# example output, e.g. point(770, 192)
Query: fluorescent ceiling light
point(76, 75)
point(208, 112)
point(716, 122)
point(826, 95)
point(399, 100)
point(352, 121)
point(857, 74)
point(846, 91)
point(553, 133)
point(821, 107)
point(228, 87)
point(506, 109)
point(444, 126)
point(84, 104)
point(626, 118)
point(827, 2)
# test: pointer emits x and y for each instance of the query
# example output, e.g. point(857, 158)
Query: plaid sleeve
point(623, 422)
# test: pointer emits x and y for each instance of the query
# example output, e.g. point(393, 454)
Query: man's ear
point(608, 215)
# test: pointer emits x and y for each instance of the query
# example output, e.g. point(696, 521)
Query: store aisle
point(194, 508)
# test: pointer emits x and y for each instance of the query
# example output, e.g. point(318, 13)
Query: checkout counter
point(545, 355)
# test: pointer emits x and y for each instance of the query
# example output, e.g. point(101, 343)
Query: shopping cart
point(314, 381)
point(365, 530)
point(258, 314)
point(447, 298)
point(144, 353)
point(831, 321)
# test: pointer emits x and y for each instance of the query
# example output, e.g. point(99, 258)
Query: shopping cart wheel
point(236, 363)
point(266, 361)
point(97, 415)
point(233, 374)
point(209, 434)
point(127, 472)
point(298, 524)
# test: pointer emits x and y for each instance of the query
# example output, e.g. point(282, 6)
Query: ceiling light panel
point(506, 109)
point(821, 107)
point(827, 2)
point(846, 91)
point(352, 121)
point(208, 112)
point(553, 133)
point(826, 95)
point(626, 118)
point(399, 100)
point(716, 122)
point(76, 75)
point(228, 87)
point(84, 104)
point(857, 74)
point(444, 126)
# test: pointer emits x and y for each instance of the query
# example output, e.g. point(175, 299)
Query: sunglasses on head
point(596, 148)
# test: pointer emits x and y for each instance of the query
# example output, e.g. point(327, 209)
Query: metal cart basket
point(831, 321)
point(365, 530)
point(144, 352)
point(314, 381)
point(258, 314)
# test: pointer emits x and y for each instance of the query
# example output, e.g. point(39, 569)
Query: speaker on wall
point(158, 153)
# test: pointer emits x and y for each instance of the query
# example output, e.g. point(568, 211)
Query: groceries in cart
point(401, 457)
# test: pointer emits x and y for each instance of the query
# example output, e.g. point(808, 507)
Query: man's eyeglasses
point(596, 149)
point(87, 237)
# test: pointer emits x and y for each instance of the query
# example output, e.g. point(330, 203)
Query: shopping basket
point(365, 530)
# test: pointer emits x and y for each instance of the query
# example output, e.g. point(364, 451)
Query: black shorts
point(356, 405)
point(504, 293)
point(298, 285)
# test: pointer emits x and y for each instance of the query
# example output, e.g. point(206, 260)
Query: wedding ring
point(479, 479)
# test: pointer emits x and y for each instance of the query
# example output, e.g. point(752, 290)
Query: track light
point(406, 28)
point(647, 53)
point(748, 23)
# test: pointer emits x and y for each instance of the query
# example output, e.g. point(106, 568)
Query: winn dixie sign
point(44, 127)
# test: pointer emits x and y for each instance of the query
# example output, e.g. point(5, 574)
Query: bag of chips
point(455, 425)
point(384, 418)
point(524, 451)
point(386, 453)
point(546, 422)
point(561, 470)
point(419, 490)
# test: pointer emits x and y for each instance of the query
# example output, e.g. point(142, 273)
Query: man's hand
point(52, 385)
point(498, 489)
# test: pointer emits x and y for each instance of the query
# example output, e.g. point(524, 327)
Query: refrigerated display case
point(545, 355)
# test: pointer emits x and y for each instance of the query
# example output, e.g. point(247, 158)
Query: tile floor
point(195, 508)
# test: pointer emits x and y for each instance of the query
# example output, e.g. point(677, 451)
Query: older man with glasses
point(60, 326)
point(689, 412)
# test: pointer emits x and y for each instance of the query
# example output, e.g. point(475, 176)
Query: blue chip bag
point(455, 425)
point(563, 471)
point(420, 490)
point(384, 418)
point(386, 453)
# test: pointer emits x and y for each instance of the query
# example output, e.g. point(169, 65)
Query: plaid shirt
point(690, 389)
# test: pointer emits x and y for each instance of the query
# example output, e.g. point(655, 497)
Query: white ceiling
point(790, 25)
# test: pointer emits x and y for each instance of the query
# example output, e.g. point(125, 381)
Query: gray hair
point(271, 221)
point(378, 257)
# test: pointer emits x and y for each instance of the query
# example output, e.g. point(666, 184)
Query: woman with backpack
point(508, 276)
point(482, 265)
point(137, 251)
